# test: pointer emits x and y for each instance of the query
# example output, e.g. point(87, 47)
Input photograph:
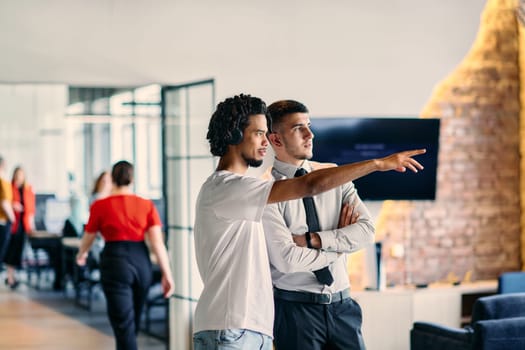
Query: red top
point(29, 207)
point(122, 217)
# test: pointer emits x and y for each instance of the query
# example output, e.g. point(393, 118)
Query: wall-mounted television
point(348, 140)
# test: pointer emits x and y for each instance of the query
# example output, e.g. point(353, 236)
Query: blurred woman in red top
point(24, 208)
point(123, 219)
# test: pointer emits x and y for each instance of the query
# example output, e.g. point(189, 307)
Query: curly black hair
point(232, 113)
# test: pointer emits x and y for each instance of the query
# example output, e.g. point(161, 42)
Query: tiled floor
point(31, 319)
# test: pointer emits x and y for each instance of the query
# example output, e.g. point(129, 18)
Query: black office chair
point(37, 265)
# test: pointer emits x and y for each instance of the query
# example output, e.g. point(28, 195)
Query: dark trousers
point(5, 237)
point(13, 255)
point(126, 274)
point(308, 326)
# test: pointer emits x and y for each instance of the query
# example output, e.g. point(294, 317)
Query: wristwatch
point(308, 239)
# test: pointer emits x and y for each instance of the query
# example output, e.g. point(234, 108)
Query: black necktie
point(323, 275)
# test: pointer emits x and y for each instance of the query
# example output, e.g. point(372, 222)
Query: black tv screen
point(349, 140)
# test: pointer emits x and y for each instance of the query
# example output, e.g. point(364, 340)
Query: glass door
point(187, 162)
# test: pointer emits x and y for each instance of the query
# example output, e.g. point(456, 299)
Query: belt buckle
point(329, 299)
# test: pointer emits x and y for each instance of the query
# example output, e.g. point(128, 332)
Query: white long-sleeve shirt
point(291, 265)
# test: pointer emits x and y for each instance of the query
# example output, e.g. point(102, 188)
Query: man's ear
point(275, 139)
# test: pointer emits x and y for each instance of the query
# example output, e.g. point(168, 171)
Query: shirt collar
point(288, 169)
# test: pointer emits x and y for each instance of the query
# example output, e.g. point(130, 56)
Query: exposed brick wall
point(521, 33)
point(474, 223)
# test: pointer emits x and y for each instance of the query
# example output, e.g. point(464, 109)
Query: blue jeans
point(231, 339)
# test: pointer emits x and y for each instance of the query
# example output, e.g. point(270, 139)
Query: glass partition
point(188, 162)
point(107, 125)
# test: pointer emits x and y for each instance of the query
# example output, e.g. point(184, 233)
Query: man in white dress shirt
point(312, 314)
point(235, 309)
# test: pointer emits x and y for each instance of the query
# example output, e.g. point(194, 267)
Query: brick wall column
point(474, 223)
point(521, 38)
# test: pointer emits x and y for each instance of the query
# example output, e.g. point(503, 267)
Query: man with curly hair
point(235, 309)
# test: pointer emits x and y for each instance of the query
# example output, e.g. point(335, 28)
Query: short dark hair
point(122, 173)
point(279, 109)
point(233, 112)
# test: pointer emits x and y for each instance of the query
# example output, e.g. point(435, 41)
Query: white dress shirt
point(291, 265)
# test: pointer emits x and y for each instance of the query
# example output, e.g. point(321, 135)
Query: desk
point(388, 315)
point(44, 235)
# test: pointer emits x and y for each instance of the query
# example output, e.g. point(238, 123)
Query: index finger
point(415, 152)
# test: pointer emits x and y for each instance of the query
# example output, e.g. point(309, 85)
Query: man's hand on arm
point(286, 255)
point(348, 216)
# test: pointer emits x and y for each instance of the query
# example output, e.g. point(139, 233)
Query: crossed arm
point(284, 254)
point(351, 233)
point(287, 250)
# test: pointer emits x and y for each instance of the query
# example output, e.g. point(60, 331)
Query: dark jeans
point(125, 277)
point(305, 326)
point(5, 237)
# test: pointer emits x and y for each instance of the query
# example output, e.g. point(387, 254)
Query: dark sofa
point(498, 322)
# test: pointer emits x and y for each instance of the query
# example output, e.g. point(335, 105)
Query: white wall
point(32, 134)
point(339, 57)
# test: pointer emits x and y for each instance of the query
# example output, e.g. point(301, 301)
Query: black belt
point(312, 298)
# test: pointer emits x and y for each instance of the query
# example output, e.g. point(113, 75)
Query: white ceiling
point(378, 56)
